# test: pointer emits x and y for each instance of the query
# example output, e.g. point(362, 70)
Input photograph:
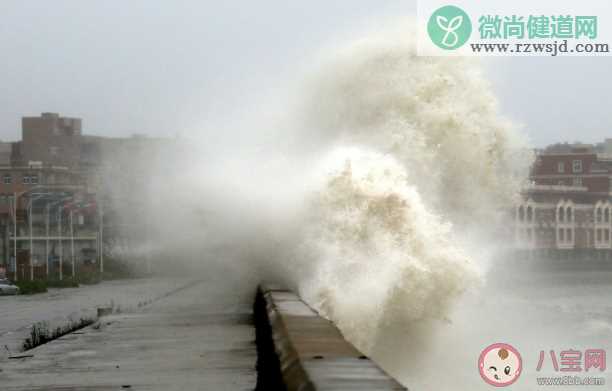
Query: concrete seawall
point(299, 350)
point(201, 338)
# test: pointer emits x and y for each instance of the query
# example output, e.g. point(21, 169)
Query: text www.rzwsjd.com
point(552, 48)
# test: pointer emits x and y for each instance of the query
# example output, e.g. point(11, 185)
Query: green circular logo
point(449, 27)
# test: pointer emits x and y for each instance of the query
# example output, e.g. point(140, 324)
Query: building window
point(529, 213)
point(26, 179)
point(34, 179)
point(521, 213)
point(7, 179)
point(599, 235)
point(561, 167)
point(569, 235)
point(606, 235)
point(561, 235)
point(561, 214)
point(578, 181)
point(607, 215)
point(568, 214)
point(577, 166)
point(598, 214)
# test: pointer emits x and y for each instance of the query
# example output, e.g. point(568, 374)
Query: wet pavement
point(60, 306)
point(194, 339)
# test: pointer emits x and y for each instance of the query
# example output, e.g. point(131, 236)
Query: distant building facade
point(6, 150)
point(568, 204)
point(47, 209)
point(55, 184)
point(49, 139)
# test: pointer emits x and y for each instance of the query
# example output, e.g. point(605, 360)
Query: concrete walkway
point(59, 307)
point(195, 339)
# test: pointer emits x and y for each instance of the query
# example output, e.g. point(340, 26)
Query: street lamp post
point(47, 238)
point(61, 246)
point(59, 235)
point(101, 246)
point(30, 212)
point(72, 243)
point(15, 201)
point(61, 249)
point(15, 233)
point(31, 240)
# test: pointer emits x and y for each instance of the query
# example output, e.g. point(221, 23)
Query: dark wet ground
point(196, 339)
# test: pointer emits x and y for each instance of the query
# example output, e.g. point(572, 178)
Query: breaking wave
point(421, 170)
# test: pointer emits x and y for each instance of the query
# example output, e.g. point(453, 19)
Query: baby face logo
point(500, 364)
point(449, 27)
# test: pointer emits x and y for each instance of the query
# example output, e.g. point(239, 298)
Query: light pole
point(101, 246)
point(61, 250)
point(30, 211)
point(47, 238)
point(59, 233)
point(61, 247)
point(47, 227)
point(72, 242)
point(15, 233)
point(31, 240)
point(15, 201)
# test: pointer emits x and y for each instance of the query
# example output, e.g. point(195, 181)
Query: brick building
point(54, 184)
point(566, 208)
point(49, 139)
point(47, 225)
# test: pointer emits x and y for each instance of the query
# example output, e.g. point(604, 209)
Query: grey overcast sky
point(163, 67)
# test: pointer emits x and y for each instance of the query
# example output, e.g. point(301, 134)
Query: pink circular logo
point(500, 364)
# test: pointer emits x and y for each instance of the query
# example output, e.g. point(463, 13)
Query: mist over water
point(379, 190)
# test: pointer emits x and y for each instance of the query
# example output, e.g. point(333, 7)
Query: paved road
point(196, 339)
point(59, 306)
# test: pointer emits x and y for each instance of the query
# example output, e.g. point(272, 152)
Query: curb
point(298, 350)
